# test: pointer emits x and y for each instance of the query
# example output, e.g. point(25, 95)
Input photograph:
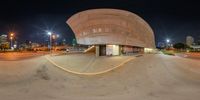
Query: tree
point(4, 46)
point(74, 42)
point(180, 46)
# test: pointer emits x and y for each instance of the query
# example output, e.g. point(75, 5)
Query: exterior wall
point(111, 26)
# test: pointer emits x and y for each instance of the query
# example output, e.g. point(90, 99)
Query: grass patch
point(168, 52)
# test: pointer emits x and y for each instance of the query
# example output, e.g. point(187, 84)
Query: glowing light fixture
point(168, 40)
point(49, 33)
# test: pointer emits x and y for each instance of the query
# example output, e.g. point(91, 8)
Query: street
point(14, 56)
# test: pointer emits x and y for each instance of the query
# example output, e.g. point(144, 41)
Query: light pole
point(50, 40)
point(167, 41)
point(54, 37)
point(11, 40)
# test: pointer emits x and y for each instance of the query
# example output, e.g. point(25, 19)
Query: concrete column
point(120, 50)
point(97, 50)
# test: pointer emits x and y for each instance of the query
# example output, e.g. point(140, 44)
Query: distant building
point(196, 47)
point(189, 40)
point(35, 45)
point(161, 45)
point(198, 41)
point(3, 39)
point(29, 45)
point(4, 44)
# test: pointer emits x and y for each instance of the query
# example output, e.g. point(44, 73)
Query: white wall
point(115, 50)
point(112, 50)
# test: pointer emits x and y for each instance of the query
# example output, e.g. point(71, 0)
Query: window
point(100, 30)
point(94, 30)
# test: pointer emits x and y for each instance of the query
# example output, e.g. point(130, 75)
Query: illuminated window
point(100, 30)
point(94, 30)
point(112, 50)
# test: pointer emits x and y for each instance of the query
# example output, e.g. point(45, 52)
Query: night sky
point(173, 19)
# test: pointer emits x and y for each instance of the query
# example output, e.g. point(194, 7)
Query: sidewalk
point(88, 63)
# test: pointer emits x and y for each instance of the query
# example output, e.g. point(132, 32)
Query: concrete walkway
point(149, 77)
point(88, 63)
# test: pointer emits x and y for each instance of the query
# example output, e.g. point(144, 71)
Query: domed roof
point(111, 26)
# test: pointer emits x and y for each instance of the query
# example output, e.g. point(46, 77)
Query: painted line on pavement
point(88, 74)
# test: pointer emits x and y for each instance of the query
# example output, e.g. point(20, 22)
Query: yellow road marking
point(96, 73)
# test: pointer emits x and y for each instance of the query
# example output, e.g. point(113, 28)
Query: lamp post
point(11, 40)
point(167, 42)
point(54, 37)
point(50, 40)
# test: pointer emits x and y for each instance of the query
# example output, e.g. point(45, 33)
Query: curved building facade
point(111, 27)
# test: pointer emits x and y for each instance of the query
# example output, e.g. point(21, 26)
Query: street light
point(57, 35)
point(50, 39)
point(49, 33)
point(168, 40)
point(54, 37)
point(11, 34)
point(11, 40)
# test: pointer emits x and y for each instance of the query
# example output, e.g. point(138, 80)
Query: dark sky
point(174, 19)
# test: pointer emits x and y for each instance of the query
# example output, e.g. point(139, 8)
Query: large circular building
point(112, 31)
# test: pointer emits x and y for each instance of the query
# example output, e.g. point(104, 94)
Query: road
point(14, 56)
point(149, 77)
point(189, 55)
